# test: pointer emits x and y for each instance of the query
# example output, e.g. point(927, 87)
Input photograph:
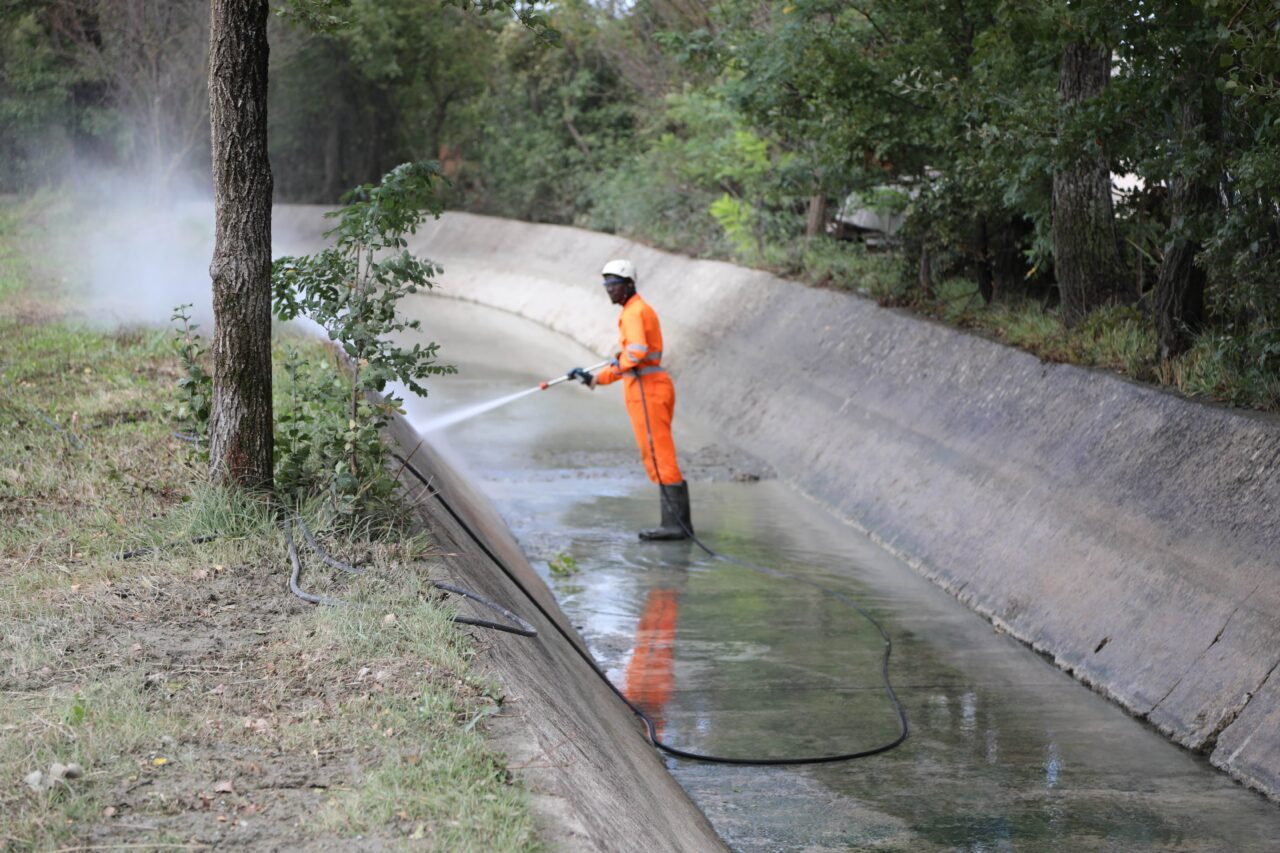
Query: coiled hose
point(650, 727)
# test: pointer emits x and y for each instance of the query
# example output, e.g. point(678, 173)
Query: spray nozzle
point(572, 374)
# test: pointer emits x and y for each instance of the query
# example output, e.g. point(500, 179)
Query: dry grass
point(205, 705)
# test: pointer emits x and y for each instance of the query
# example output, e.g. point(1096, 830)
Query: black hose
point(315, 546)
point(66, 431)
point(151, 549)
point(295, 576)
point(651, 728)
point(522, 628)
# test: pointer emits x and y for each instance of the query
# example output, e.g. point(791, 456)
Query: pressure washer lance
point(572, 374)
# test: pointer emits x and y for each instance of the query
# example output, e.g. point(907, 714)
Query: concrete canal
point(1006, 751)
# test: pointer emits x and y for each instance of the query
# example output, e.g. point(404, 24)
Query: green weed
point(564, 565)
point(195, 388)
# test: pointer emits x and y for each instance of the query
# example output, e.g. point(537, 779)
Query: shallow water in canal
point(1006, 752)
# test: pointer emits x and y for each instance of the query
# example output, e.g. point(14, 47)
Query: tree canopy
point(742, 128)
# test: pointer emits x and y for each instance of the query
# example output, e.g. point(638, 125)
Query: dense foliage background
point(1095, 180)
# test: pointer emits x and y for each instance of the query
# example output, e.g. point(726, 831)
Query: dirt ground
point(208, 708)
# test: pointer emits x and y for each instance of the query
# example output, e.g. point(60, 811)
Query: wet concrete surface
point(1006, 751)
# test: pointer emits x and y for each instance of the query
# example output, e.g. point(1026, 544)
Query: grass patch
point(826, 262)
point(204, 704)
point(442, 783)
point(1121, 339)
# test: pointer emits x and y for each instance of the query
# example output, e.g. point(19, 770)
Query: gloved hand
point(586, 378)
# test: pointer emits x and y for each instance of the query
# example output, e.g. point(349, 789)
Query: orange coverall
point(640, 361)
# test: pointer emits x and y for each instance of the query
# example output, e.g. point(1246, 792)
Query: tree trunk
point(982, 261)
point(240, 439)
point(1086, 253)
point(924, 273)
point(1180, 290)
point(1008, 261)
point(816, 221)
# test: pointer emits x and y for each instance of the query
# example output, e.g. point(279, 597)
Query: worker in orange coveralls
point(645, 384)
point(651, 673)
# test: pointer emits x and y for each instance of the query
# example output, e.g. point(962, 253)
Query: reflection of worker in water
point(651, 672)
point(646, 384)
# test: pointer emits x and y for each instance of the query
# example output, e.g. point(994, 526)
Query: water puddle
point(1006, 752)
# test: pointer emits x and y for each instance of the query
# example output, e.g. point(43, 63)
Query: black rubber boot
point(676, 520)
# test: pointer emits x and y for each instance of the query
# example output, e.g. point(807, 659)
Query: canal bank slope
point(595, 782)
point(1127, 533)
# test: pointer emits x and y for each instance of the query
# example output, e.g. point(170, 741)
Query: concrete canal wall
point(1130, 535)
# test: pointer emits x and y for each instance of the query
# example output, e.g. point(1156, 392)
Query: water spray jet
point(481, 408)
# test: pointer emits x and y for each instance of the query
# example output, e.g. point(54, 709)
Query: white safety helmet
point(619, 269)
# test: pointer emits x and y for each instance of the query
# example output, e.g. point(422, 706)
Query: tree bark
point(1180, 289)
point(1179, 293)
point(1085, 249)
point(816, 222)
point(924, 273)
point(1008, 261)
point(240, 437)
point(982, 261)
